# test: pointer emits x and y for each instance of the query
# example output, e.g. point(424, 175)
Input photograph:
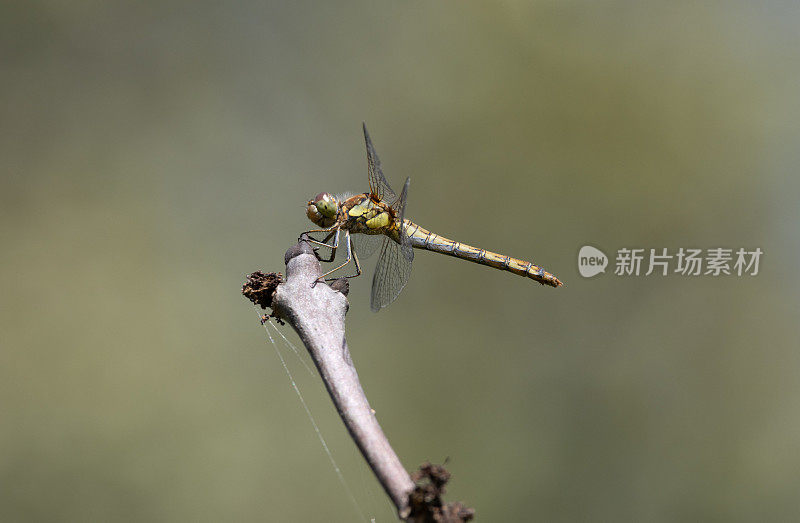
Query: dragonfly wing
point(391, 274)
point(378, 185)
point(366, 244)
point(400, 206)
point(394, 265)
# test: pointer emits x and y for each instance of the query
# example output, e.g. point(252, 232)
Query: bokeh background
point(154, 153)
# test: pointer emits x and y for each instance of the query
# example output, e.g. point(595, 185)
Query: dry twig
point(317, 312)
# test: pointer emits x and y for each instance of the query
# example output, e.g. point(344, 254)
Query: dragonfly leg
point(351, 249)
point(351, 256)
point(324, 242)
point(309, 239)
point(355, 259)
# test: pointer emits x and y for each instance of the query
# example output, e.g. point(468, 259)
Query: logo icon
point(591, 261)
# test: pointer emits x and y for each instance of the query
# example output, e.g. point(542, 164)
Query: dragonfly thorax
point(364, 215)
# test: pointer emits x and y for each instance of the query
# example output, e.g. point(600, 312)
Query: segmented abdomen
point(424, 239)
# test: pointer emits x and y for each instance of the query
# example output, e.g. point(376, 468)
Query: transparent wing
point(391, 275)
point(400, 207)
point(394, 265)
point(366, 244)
point(378, 186)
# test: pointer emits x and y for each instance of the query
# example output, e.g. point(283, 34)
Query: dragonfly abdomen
point(424, 239)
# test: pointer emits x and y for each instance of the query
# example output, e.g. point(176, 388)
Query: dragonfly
point(377, 218)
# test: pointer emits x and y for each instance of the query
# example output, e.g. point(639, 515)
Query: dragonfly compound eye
point(326, 205)
point(313, 214)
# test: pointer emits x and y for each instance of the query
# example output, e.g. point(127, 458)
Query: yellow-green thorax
point(366, 216)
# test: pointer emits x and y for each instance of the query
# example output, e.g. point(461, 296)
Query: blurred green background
point(152, 154)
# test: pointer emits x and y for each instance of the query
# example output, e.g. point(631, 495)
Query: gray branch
point(317, 314)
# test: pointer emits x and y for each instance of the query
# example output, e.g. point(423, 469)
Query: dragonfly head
point(323, 209)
